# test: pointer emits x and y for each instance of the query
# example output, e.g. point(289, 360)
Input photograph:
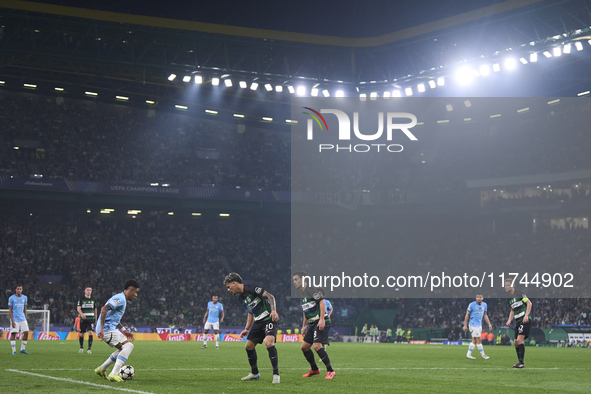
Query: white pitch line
point(79, 382)
point(340, 369)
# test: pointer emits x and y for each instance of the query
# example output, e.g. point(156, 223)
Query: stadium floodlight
point(291, 89)
point(279, 88)
point(313, 92)
point(16, 148)
point(579, 46)
point(555, 101)
point(59, 89)
point(154, 184)
point(171, 77)
point(432, 84)
point(243, 84)
point(589, 42)
point(556, 51)
point(547, 54)
point(585, 93)
point(228, 83)
point(150, 102)
point(387, 94)
point(396, 93)
point(238, 116)
point(211, 112)
point(122, 98)
point(523, 60)
point(449, 107)
point(267, 119)
point(198, 79)
point(566, 48)
point(183, 107)
point(170, 213)
point(495, 116)
point(326, 93)
point(215, 81)
point(94, 94)
point(484, 70)
point(291, 121)
point(510, 63)
point(443, 121)
point(362, 96)
point(254, 86)
point(440, 81)
point(408, 91)
point(421, 88)
point(2, 82)
point(373, 96)
point(195, 214)
point(522, 110)
point(224, 214)
point(301, 90)
point(340, 93)
point(187, 78)
point(533, 57)
point(467, 119)
point(464, 75)
point(467, 103)
point(496, 67)
point(268, 87)
point(29, 85)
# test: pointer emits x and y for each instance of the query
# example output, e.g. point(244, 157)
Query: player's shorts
point(114, 338)
point(210, 326)
point(475, 331)
point(262, 329)
point(21, 327)
point(314, 335)
point(86, 325)
point(522, 329)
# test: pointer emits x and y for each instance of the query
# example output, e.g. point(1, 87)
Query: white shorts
point(209, 326)
point(475, 331)
point(114, 338)
point(21, 327)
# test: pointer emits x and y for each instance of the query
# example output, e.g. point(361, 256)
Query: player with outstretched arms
point(261, 325)
point(212, 319)
point(109, 324)
point(315, 326)
point(87, 312)
point(520, 310)
point(17, 310)
point(477, 310)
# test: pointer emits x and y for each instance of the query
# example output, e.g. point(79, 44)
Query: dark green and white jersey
point(253, 301)
point(311, 305)
point(518, 304)
point(87, 305)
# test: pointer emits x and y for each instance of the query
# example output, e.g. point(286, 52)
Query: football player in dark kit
point(261, 325)
point(520, 310)
point(87, 310)
point(315, 327)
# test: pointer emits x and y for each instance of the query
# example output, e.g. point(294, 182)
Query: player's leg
point(321, 338)
point(481, 348)
point(110, 340)
point(125, 348)
point(216, 331)
point(519, 346)
point(251, 353)
point(90, 338)
point(270, 335)
point(81, 336)
point(13, 340)
point(475, 332)
point(24, 327)
point(309, 355)
point(205, 332)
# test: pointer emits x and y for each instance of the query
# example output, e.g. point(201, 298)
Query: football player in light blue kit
point(17, 309)
point(476, 311)
point(212, 319)
point(109, 324)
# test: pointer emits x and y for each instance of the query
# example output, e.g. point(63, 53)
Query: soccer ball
point(127, 372)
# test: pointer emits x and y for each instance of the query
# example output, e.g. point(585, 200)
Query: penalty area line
point(78, 382)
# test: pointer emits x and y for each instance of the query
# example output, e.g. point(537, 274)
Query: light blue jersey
point(476, 313)
point(114, 315)
point(328, 307)
point(214, 312)
point(18, 307)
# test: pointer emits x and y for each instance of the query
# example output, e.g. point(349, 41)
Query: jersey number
point(520, 328)
point(269, 327)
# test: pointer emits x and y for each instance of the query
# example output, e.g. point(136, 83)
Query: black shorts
point(522, 329)
point(262, 329)
point(314, 335)
point(86, 325)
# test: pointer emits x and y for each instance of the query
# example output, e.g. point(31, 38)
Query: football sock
point(204, 338)
point(273, 357)
point(518, 353)
point(89, 341)
point(111, 360)
point(470, 348)
point(81, 340)
point(310, 357)
point(480, 349)
point(324, 357)
point(13, 345)
point(522, 353)
point(122, 357)
point(23, 344)
point(217, 339)
point(252, 360)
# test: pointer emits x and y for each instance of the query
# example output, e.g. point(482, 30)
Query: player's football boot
point(470, 357)
point(330, 375)
point(251, 376)
point(217, 347)
point(519, 365)
point(81, 350)
point(115, 378)
point(311, 373)
point(24, 351)
point(88, 351)
point(100, 372)
point(484, 356)
point(14, 353)
point(204, 347)
point(276, 379)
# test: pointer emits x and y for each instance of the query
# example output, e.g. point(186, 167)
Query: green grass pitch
point(182, 367)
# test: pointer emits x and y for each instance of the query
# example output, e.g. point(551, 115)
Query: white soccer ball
point(127, 372)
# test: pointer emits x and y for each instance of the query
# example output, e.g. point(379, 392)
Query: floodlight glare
point(547, 54)
point(408, 91)
point(496, 67)
point(268, 87)
point(228, 83)
point(484, 70)
point(440, 81)
point(556, 51)
point(198, 79)
point(215, 81)
point(523, 60)
point(566, 48)
point(326, 93)
point(579, 46)
point(387, 94)
point(171, 77)
point(510, 63)
point(533, 57)
point(243, 84)
point(301, 90)
point(432, 84)
point(373, 96)
point(340, 93)
point(279, 88)
point(421, 87)
point(464, 75)
point(396, 93)
point(291, 89)
point(187, 78)
point(313, 92)
point(254, 86)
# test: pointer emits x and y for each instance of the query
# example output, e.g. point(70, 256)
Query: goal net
point(35, 318)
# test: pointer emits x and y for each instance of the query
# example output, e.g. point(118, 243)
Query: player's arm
point(101, 331)
point(304, 324)
point(321, 322)
point(221, 316)
point(527, 311)
point(487, 321)
point(125, 332)
point(27, 317)
point(249, 322)
point(81, 314)
point(205, 317)
point(330, 312)
point(271, 300)
point(466, 318)
point(11, 318)
point(511, 314)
